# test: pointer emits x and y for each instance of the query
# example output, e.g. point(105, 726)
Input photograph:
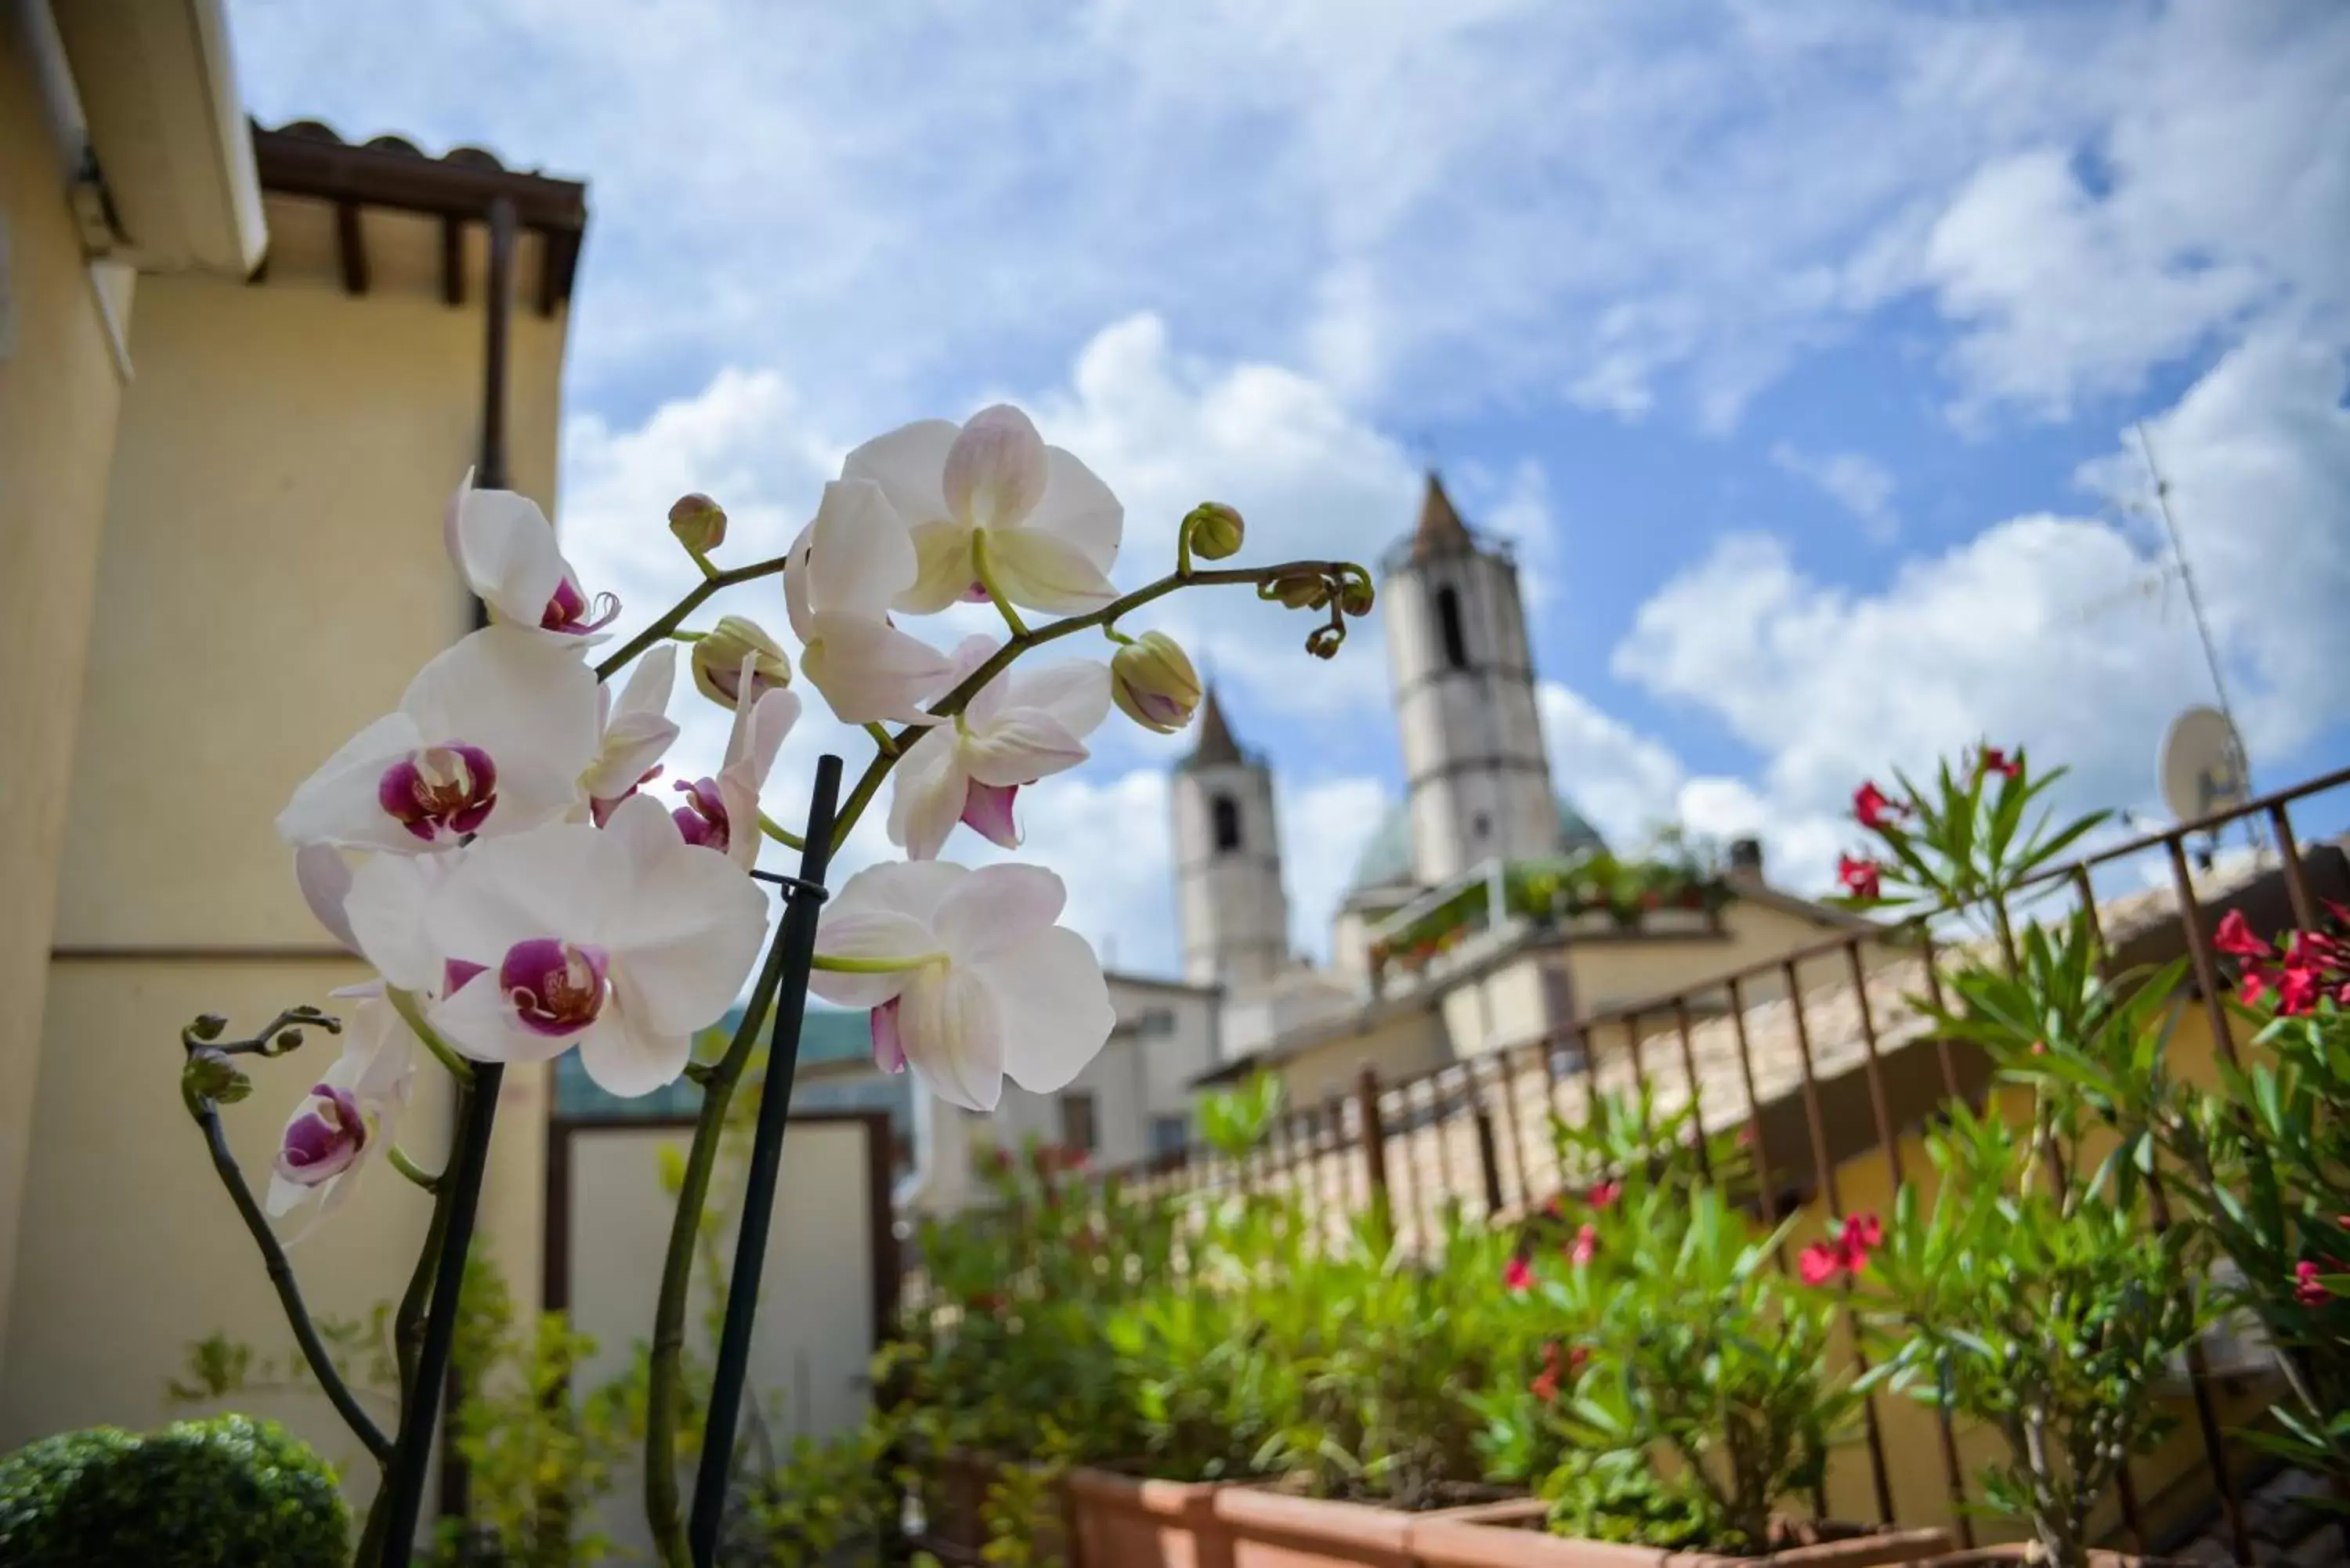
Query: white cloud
point(1429, 207)
point(1860, 485)
point(2017, 634)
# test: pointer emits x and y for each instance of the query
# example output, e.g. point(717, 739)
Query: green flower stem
point(410, 1169)
point(661, 628)
point(953, 702)
point(408, 1338)
point(882, 738)
point(281, 1275)
point(411, 1013)
point(987, 581)
point(779, 833)
point(662, 1511)
point(873, 965)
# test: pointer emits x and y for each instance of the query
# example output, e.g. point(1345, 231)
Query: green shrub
point(219, 1493)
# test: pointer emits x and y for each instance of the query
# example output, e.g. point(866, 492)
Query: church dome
point(1385, 860)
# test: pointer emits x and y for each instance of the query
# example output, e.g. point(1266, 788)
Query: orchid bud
point(1215, 530)
point(1300, 590)
point(1153, 683)
point(1356, 596)
point(699, 523)
point(718, 657)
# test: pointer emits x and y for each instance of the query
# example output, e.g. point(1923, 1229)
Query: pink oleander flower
point(1018, 728)
point(2308, 1289)
point(1585, 1245)
point(622, 940)
point(505, 549)
point(1861, 879)
point(491, 738)
point(1519, 1275)
point(1874, 809)
point(967, 975)
point(989, 499)
point(1604, 1195)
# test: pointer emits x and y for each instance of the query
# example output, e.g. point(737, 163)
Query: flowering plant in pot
point(491, 849)
point(2049, 1316)
point(1689, 1387)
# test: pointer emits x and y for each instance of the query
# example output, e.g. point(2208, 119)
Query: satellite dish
point(2201, 769)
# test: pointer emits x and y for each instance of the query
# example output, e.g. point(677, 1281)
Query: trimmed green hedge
point(221, 1493)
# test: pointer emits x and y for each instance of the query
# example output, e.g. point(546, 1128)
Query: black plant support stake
point(796, 938)
point(412, 1454)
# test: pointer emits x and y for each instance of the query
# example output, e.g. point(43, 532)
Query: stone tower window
point(1448, 626)
point(1227, 813)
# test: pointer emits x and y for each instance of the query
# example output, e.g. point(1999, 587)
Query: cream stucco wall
point(270, 576)
point(60, 387)
point(1394, 1045)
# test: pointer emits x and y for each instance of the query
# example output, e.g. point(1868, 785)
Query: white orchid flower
point(967, 977)
point(844, 569)
point(347, 1118)
point(1016, 729)
point(722, 812)
point(989, 502)
point(490, 738)
point(504, 547)
point(623, 940)
point(637, 734)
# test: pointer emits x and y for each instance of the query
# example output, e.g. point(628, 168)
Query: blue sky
point(1793, 341)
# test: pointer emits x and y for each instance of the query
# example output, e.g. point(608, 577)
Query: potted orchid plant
point(491, 849)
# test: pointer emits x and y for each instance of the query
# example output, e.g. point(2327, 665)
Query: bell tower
point(1476, 778)
point(1235, 916)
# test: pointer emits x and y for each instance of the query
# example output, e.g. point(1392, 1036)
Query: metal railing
point(1476, 1132)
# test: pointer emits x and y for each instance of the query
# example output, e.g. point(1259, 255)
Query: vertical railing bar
point(1878, 1106)
point(1826, 1169)
point(1688, 1072)
point(2296, 878)
point(1513, 1103)
point(1767, 1189)
point(2199, 950)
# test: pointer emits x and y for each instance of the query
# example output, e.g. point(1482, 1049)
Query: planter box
point(1122, 1523)
point(1454, 1543)
point(2028, 1552)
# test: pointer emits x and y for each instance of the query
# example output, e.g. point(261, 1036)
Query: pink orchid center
point(558, 988)
point(888, 1047)
point(440, 792)
point(325, 1139)
point(569, 610)
point(976, 594)
point(987, 810)
point(702, 818)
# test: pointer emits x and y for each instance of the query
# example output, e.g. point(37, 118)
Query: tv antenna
point(2227, 713)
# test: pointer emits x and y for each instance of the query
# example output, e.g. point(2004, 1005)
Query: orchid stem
point(411, 1013)
point(683, 635)
point(410, 1169)
point(281, 1275)
point(779, 833)
point(661, 628)
point(987, 581)
point(1021, 641)
point(883, 739)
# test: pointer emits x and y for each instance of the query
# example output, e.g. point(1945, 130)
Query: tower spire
point(1217, 747)
point(1441, 530)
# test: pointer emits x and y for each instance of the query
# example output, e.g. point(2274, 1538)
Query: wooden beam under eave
point(350, 247)
point(558, 260)
point(453, 260)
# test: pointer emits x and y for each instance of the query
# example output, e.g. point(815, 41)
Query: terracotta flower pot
point(1122, 1523)
point(2026, 1552)
point(1452, 1542)
point(1272, 1529)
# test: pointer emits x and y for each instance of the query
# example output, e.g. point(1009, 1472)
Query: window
point(1227, 812)
point(1168, 1135)
point(1482, 825)
point(1077, 1122)
point(1448, 626)
point(1155, 1021)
